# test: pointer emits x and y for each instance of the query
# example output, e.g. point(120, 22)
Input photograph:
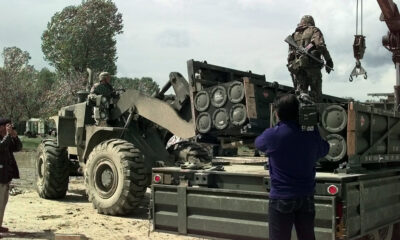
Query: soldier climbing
point(306, 45)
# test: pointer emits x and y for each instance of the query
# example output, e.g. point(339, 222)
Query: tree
point(63, 92)
point(83, 36)
point(45, 80)
point(17, 85)
point(145, 85)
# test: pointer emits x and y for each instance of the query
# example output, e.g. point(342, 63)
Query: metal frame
point(358, 194)
point(356, 160)
point(234, 214)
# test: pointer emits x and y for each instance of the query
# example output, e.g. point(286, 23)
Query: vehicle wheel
point(396, 231)
point(115, 177)
point(191, 152)
point(385, 233)
point(52, 170)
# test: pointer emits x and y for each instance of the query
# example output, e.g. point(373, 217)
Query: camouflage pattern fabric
point(307, 20)
point(306, 35)
point(310, 77)
point(104, 89)
point(305, 71)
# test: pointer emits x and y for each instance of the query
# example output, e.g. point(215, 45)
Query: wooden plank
point(250, 98)
point(351, 130)
point(240, 160)
point(59, 236)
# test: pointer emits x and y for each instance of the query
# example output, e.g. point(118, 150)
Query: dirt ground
point(30, 217)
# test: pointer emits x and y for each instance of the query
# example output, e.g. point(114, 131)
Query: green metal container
point(334, 118)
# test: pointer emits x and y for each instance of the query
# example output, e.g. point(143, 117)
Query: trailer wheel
point(115, 177)
point(51, 170)
point(396, 231)
point(385, 233)
point(191, 152)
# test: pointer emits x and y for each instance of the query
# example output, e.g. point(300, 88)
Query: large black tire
point(396, 231)
point(115, 177)
point(190, 152)
point(384, 233)
point(52, 170)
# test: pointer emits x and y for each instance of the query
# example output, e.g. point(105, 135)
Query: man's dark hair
point(4, 121)
point(287, 107)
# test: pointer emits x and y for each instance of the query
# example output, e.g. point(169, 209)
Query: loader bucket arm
point(155, 110)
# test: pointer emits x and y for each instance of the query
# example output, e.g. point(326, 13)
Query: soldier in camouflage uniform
point(103, 87)
point(305, 71)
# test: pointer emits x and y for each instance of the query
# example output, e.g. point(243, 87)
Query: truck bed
point(254, 166)
point(233, 203)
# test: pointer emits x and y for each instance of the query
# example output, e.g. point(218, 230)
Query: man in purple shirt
point(293, 154)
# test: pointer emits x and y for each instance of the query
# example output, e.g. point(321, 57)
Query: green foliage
point(63, 92)
point(83, 36)
point(145, 84)
point(27, 93)
point(45, 79)
point(18, 95)
point(24, 91)
point(15, 59)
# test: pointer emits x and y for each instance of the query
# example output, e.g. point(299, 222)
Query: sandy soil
point(30, 217)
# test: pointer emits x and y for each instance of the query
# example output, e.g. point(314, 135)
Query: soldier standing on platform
point(305, 71)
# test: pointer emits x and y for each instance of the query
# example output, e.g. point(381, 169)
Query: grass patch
point(30, 144)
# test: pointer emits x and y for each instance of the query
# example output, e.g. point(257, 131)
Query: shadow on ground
point(47, 234)
point(28, 235)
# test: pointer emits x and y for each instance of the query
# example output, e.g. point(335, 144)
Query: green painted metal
point(218, 96)
point(182, 208)
point(237, 101)
point(334, 118)
point(225, 213)
point(238, 114)
point(220, 118)
point(363, 134)
point(202, 101)
point(203, 122)
point(230, 206)
point(338, 147)
point(236, 92)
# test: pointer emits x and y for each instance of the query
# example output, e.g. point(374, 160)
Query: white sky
point(161, 35)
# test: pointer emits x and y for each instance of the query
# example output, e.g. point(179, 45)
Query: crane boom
point(391, 41)
point(390, 14)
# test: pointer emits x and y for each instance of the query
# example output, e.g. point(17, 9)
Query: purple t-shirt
point(292, 158)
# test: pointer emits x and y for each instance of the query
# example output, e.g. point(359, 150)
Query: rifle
point(301, 50)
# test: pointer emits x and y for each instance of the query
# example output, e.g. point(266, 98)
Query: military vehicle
point(38, 126)
point(357, 193)
point(357, 183)
point(230, 105)
point(114, 142)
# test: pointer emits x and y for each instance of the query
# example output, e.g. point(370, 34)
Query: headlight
point(103, 115)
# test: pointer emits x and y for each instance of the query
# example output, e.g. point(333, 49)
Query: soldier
point(103, 87)
point(305, 71)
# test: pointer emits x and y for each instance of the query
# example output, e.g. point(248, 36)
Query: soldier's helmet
point(307, 20)
point(103, 76)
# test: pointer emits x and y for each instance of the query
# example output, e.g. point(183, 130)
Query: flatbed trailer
point(233, 203)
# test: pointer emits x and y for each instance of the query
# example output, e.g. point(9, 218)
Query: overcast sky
point(161, 35)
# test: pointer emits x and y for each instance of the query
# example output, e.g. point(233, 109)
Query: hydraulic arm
point(391, 41)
